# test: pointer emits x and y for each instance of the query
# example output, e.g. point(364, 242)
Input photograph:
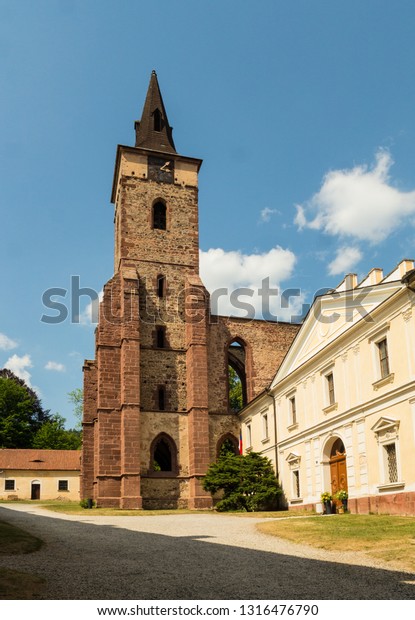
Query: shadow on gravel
point(101, 562)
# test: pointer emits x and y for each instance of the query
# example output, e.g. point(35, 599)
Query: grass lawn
point(14, 584)
point(384, 537)
point(14, 540)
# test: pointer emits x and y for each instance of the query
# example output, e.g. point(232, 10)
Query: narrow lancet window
point(161, 286)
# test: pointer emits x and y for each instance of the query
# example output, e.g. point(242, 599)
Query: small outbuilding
point(39, 474)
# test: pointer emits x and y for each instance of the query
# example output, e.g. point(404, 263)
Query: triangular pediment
point(384, 424)
point(330, 316)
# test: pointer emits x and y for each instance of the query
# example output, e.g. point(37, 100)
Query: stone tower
point(156, 407)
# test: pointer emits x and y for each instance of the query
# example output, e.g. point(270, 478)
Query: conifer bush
point(247, 481)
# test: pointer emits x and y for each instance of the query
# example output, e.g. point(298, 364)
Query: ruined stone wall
point(265, 346)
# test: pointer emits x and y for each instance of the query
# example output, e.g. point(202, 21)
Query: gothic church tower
point(156, 396)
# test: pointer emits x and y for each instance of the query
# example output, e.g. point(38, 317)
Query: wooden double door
point(338, 470)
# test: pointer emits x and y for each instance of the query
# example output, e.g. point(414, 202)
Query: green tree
point(228, 447)
point(52, 435)
point(21, 412)
point(76, 397)
point(235, 390)
point(247, 481)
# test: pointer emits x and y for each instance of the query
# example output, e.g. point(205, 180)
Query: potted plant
point(326, 498)
point(343, 496)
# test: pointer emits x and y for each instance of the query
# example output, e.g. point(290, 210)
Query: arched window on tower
point(159, 216)
point(163, 455)
point(236, 376)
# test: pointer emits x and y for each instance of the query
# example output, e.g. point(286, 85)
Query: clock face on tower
point(161, 169)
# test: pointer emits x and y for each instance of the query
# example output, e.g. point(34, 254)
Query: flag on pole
point(240, 442)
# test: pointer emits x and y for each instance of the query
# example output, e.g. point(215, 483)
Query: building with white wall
point(340, 412)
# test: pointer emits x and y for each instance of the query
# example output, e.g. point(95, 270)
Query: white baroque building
point(340, 412)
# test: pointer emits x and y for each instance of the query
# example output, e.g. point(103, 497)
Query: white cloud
point(19, 365)
point(55, 366)
point(300, 219)
point(346, 259)
point(266, 213)
point(225, 273)
point(360, 203)
point(6, 343)
point(90, 314)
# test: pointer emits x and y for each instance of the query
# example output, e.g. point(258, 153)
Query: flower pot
point(344, 503)
point(327, 508)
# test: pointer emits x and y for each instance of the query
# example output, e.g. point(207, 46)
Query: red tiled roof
point(40, 459)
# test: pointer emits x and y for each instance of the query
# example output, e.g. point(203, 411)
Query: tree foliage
point(247, 481)
point(25, 424)
point(21, 412)
point(235, 390)
point(228, 447)
point(52, 435)
point(76, 397)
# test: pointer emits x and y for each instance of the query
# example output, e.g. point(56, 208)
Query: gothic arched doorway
point(338, 469)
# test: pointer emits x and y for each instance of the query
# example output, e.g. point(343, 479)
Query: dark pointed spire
point(153, 131)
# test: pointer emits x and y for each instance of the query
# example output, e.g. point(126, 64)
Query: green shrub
point(248, 482)
point(84, 503)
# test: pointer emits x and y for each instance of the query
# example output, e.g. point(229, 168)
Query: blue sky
point(304, 115)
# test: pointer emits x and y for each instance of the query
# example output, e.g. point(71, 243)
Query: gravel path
point(189, 557)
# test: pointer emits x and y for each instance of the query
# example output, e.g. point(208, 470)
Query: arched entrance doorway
point(338, 470)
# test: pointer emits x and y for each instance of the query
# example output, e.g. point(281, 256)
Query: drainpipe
point(268, 393)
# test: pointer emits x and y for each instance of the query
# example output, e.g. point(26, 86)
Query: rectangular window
point(330, 389)
point(248, 436)
point(160, 337)
point(63, 485)
point(293, 411)
point(265, 433)
point(161, 286)
point(9, 485)
point(161, 396)
point(391, 462)
point(383, 358)
point(296, 483)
